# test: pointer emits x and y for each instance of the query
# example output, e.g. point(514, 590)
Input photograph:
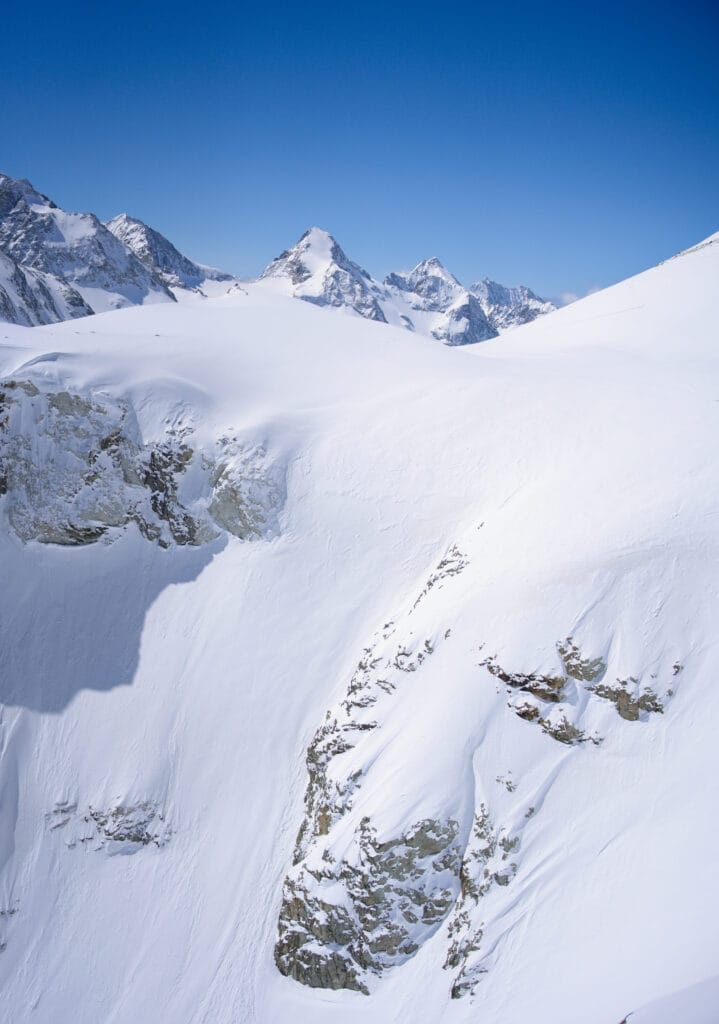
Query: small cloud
point(565, 298)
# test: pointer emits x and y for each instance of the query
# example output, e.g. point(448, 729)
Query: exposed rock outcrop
point(74, 469)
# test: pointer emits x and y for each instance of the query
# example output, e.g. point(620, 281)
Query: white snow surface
point(694, 1005)
point(572, 462)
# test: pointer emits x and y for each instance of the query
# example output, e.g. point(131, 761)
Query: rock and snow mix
point(428, 299)
point(160, 255)
point(347, 677)
point(56, 265)
point(74, 469)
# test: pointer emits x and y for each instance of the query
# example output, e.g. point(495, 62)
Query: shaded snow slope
point(441, 730)
point(694, 1005)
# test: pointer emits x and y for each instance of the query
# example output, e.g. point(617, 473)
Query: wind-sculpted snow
point(696, 1004)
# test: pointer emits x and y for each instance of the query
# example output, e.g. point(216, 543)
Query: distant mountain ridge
point(56, 265)
point(428, 299)
point(160, 256)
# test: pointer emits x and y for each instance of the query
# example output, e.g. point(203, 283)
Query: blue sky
point(564, 146)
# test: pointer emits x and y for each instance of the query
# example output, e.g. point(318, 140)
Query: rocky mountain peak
point(160, 255)
point(508, 307)
point(73, 251)
point(317, 269)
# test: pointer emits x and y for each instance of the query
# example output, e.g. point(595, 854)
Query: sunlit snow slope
point(449, 614)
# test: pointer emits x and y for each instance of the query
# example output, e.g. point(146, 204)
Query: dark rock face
point(351, 915)
point(395, 894)
point(58, 254)
point(554, 697)
point(30, 297)
point(160, 256)
point(465, 323)
point(74, 470)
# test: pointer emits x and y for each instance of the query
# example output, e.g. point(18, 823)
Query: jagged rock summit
point(442, 306)
point(429, 299)
point(56, 265)
point(509, 307)
point(317, 270)
point(160, 256)
point(431, 280)
point(96, 270)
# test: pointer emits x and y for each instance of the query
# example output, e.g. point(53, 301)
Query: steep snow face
point(414, 717)
point(509, 307)
point(74, 249)
point(160, 255)
point(316, 269)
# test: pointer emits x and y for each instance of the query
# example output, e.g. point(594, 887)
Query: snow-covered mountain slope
point(428, 299)
point(694, 1005)
point(160, 255)
point(346, 677)
point(76, 254)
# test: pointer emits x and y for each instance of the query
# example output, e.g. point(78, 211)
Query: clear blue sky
point(561, 145)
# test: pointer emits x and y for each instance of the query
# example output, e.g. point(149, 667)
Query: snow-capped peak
point(432, 281)
point(508, 307)
point(72, 255)
point(13, 190)
point(317, 269)
point(315, 252)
